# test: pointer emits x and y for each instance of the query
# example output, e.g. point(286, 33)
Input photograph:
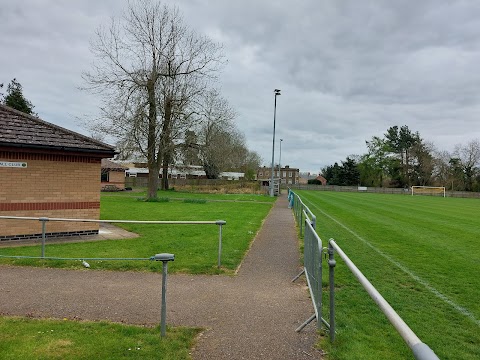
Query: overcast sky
point(348, 70)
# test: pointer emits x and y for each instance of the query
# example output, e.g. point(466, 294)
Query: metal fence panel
point(313, 268)
point(312, 260)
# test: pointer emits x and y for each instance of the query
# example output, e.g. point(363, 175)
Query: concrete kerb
point(106, 232)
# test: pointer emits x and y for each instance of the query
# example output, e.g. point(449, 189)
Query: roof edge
point(46, 123)
point(102, 152)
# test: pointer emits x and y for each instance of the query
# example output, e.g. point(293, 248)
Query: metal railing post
point(43, 220)
point(164, 258)
point(331, 275)
point(220, 223)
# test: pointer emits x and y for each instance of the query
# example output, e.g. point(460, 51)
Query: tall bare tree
point(469, 156)
point(441, 169)
point(149, 68)
point(222, 146)
point(252, 162)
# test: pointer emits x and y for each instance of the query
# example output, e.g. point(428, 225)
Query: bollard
point(164, 258)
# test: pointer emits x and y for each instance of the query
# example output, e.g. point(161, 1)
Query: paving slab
point(252, 315)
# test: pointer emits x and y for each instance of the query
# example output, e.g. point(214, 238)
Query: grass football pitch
point(422, 254)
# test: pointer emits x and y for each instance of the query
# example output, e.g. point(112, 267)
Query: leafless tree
point(469, 155)
point(252, 162)
point(442, 168)
point(221, 145)
point(149, 70)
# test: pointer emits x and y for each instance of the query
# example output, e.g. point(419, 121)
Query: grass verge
point(24, 338)
point(180, 195)
point(195, 246)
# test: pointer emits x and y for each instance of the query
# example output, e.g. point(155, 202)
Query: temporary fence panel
point(312, 257)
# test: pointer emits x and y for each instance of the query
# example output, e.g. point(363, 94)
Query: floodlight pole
point(276, 92)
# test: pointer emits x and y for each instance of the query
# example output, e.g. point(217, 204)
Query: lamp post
point(276, 92)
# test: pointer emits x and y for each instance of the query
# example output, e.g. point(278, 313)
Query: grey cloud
point(347, 69)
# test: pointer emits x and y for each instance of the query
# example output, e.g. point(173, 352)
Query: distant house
point(112, 175)
point(305, 177)
point(181, 172)
point(47, 171)
point(322, 180)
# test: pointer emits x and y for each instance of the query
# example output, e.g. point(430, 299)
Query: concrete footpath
point(252, 315)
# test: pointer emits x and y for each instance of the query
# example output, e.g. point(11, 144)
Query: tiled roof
point(21, 130)
point(111, 165)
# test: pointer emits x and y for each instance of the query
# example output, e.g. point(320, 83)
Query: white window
point(260, 173)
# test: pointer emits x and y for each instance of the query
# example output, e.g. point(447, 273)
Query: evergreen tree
point(15, 99)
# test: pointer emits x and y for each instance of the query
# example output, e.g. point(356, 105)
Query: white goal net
point(428, 190)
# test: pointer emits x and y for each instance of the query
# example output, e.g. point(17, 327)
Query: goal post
point(428, 190)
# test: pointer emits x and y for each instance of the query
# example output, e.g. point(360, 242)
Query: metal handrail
point(174, 222)
point(420, 350)
point(44, 220)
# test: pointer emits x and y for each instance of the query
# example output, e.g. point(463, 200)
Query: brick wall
point(116, 178)
point(63, 186)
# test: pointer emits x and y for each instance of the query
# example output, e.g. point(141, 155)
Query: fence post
point(220, 223)
point(164, 258)
point(43, 220)
point(331, 274)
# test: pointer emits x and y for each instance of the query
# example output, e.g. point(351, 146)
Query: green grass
point(180, 195)
point(23, 338)
point(429, 272)
point(195, 246)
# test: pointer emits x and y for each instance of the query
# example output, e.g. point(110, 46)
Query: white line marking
point(434, 291)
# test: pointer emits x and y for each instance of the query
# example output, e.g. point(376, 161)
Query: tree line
point(401, 158)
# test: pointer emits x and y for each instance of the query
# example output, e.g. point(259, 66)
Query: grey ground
point(252, 315)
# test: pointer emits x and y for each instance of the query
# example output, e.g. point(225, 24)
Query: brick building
point(113, 175)
point(286, 175)
point(47, 171)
